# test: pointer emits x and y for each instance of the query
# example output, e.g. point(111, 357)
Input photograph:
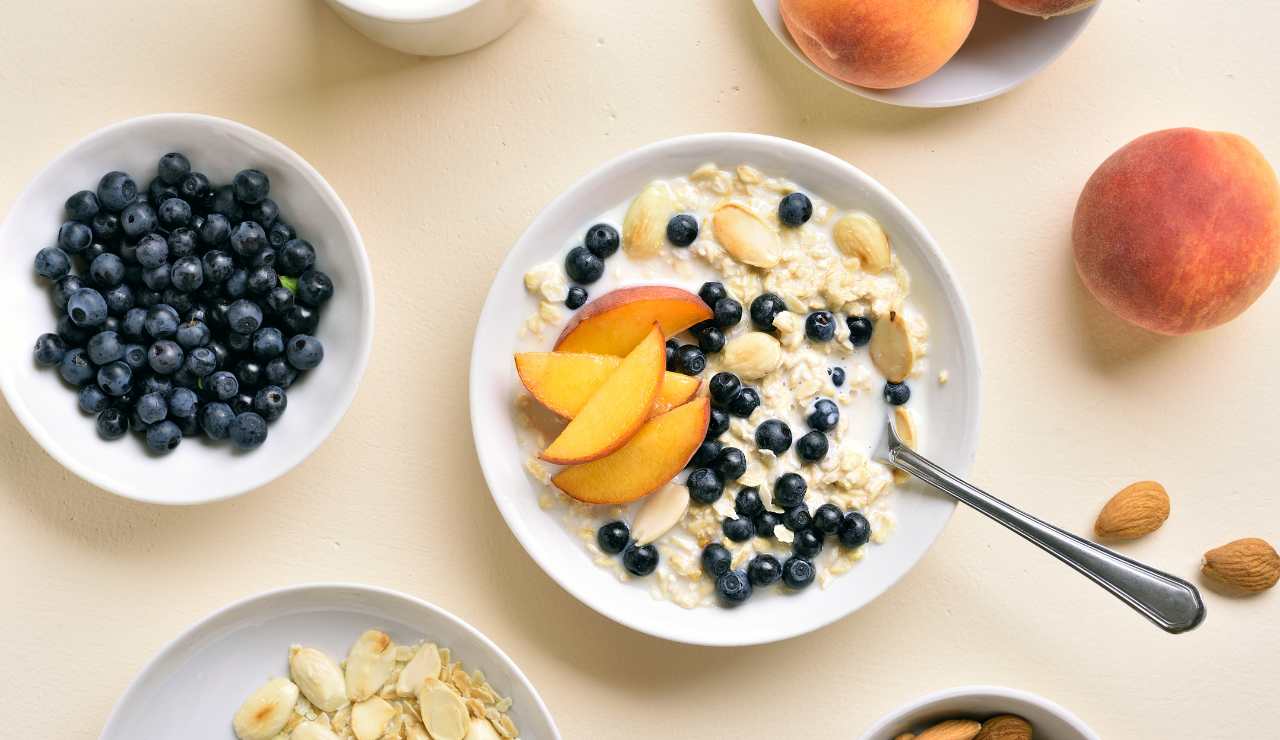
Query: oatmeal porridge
point(707, 372)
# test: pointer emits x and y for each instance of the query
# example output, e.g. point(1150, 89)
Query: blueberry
point(63, 287)
point(49, 349)
point(173, 167)
point(134, 324)
point(162, 321)
point(87, 307)
point(116, 190)
point(710, 340)
point(691, 360)
point(266, 257)
point(682, 230)
point(193, 334)
point(75, 367)
point(153, 252)
point(773, 435)
point(74, 237)
point(249, 374)
point(104, 347)
point(765, 523)
point(164, 356)
point(173, 213)
point(582, 266)
point(182, 403)
point(748, 502)
point(795, 209)
point(300, 320)
point(797, 572)
point(613, 537)
point(178, 300)
point(183, 242)
point(731, 463)
point(705, 486)
point(112, 423)
point(157, 384)
point(789, 490)
point(279, 372)
point(738, 529)
point(837, 376)
point(281, 234)
point(52, 263)
point(711, 293)
point(717, 423)
point(222, 384)
point(200, 362)
point(764, 309)
point(106, 227)
point(673, 359)
point(807, 543)
point(244, 317)
point(640, 560)
point(812, 446)
point(314, 288)
point(115, 378)
point(827, 518)
point(602, 240)
point(217, 266)
point(262, 279)
point(107, 270)
point(270, 402)
point(734, 587)
point(251, 186)
point(224, 201)
point(216, 230)
point(797, 518)
point(576, 298)
point(855, 530)
point(820, 326)
point(195, 188)
point(215, 419)
point(267, 343)
point(237, 284)
point(265, 213)
point(296, 257)
point(152, 407)
point(138, 218)
point(71, 334)
point(722, 387)
point(187, 274)
point(242, 403)
point(859, 330)
point(304, 352)
point(744, 402)
point(706, 453)
point(82, 206)
point(164, 437)
point(157, 278)
point(247, 238)
point(119, 300)
point(92, 400)
point(716, 560)
point(764, 570)
point(239, 342)
point(158, 191)
point(726, 313)
point(278, 300)
point(220, 352)
point(247, 431)
point(135, 356)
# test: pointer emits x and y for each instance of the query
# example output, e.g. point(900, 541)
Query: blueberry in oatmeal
point(896, 394)
point(797, 572)
point(712, 292)
point(730, 464)
point(722, 387)
point(797, 518)
point(716, 560)
point(707, 453)
point(855, 530)
point(710, 340)
point(807, 544)
point(738, 529)
point(705, 486)
point(640, 560)
point(825, 415)
point(812, 446)
point(745, 401)
point(613, 537)
point(764, 309)
point(795, 209)
point(575, 298)
point(748, 502)
point(583, 266)
point(837, 376)
point(718, 423)
point(789, 490)
point(764, 570)
point(820, 326)
point(734, 587)
point(673, 355)
point(691, 359)
point(682, 230)
point(827, 519)
point(773, 435)
point(602, 240)
point(860, 329)
point(766, 523)
point(727, 313)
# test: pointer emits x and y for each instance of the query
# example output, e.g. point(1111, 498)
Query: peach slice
point(564, 381)
point(615, 412)
point(659, 451)
point(615, 322)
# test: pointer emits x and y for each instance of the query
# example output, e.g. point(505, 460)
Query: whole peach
point(1044, 8)
point(879, 43)
point(1179, 230)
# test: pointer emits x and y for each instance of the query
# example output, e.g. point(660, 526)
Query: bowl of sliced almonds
point(980, 713)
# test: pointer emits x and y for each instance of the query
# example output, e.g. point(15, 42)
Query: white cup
point(430, 27)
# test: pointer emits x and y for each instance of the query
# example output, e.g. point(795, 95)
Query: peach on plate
point(565, 381)
point(614, 323)
point(1179, 230)
point(1044, 8)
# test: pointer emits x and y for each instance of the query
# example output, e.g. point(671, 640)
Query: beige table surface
point(450, 159)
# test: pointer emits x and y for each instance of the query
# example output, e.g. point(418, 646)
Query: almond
point(891, 349)
point(659, 513)
point(644, 228)
point(1249, 564)
point(859, 235)
point(752, 355)
point(1005, 727)
point(746, 237)
point(905, 426)
point(1137, 510)
point(952, 729)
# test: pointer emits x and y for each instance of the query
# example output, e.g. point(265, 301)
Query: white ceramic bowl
point(198, 471)
point(1050, 721)
point(198, 681)
point(430, 27)
point(952, 416)
point(1004, 50)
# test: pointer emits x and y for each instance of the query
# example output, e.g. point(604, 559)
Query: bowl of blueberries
point(191, 309)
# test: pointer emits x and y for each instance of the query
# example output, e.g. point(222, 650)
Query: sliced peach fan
point(614, 323)
point(565, 381)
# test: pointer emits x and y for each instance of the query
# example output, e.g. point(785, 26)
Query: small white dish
point(198, 471)
point(193, 687)
point(430, 27)
point(1004, 50)
point(953, 415)
point(1050, 721)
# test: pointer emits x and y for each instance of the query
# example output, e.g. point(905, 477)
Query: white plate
point(198, 471)
point(1050, 721)
point(194, 686)
point(1004, 50)
point(952, 416)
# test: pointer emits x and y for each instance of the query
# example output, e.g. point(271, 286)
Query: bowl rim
point(654, 151)
point(363, 269)
point(173, 645)
point(381, 11)
point(886, 96)
point(877, 730)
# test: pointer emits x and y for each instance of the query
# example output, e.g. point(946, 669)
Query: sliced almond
point(891, 349)
point(1005, 727)
point(318, 677)
point(369, 718)
point(1249, 564)
point(659, 513)
point(267, 710)
point(952, 729)
point(369, 664)
point(424, 664)
point(481, 729)
point(905, 425)
point(644, 228)
point(312, 731)
point(859, 235)
point(746, 237)
point(443, 711)
point(1137, 510)
point(752, 355)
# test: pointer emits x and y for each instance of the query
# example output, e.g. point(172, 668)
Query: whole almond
point(891, 348)
point(1249, 564)
point(952, 729)
point(1005, 727)
point(752, 355)
point(644, 228)
point(1137, 510)
point(745, 236)
point(859, 235)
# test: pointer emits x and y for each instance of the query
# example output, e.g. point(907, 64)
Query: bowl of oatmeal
point(681, 371)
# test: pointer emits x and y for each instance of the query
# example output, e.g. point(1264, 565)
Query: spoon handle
point(1170, 602)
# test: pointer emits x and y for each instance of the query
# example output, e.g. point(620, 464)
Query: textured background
point(450, 159)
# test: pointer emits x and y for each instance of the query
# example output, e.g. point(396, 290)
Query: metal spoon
point(1170, 602)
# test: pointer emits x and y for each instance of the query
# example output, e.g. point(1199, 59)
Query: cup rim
point(878, 729)
point(381, 11)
